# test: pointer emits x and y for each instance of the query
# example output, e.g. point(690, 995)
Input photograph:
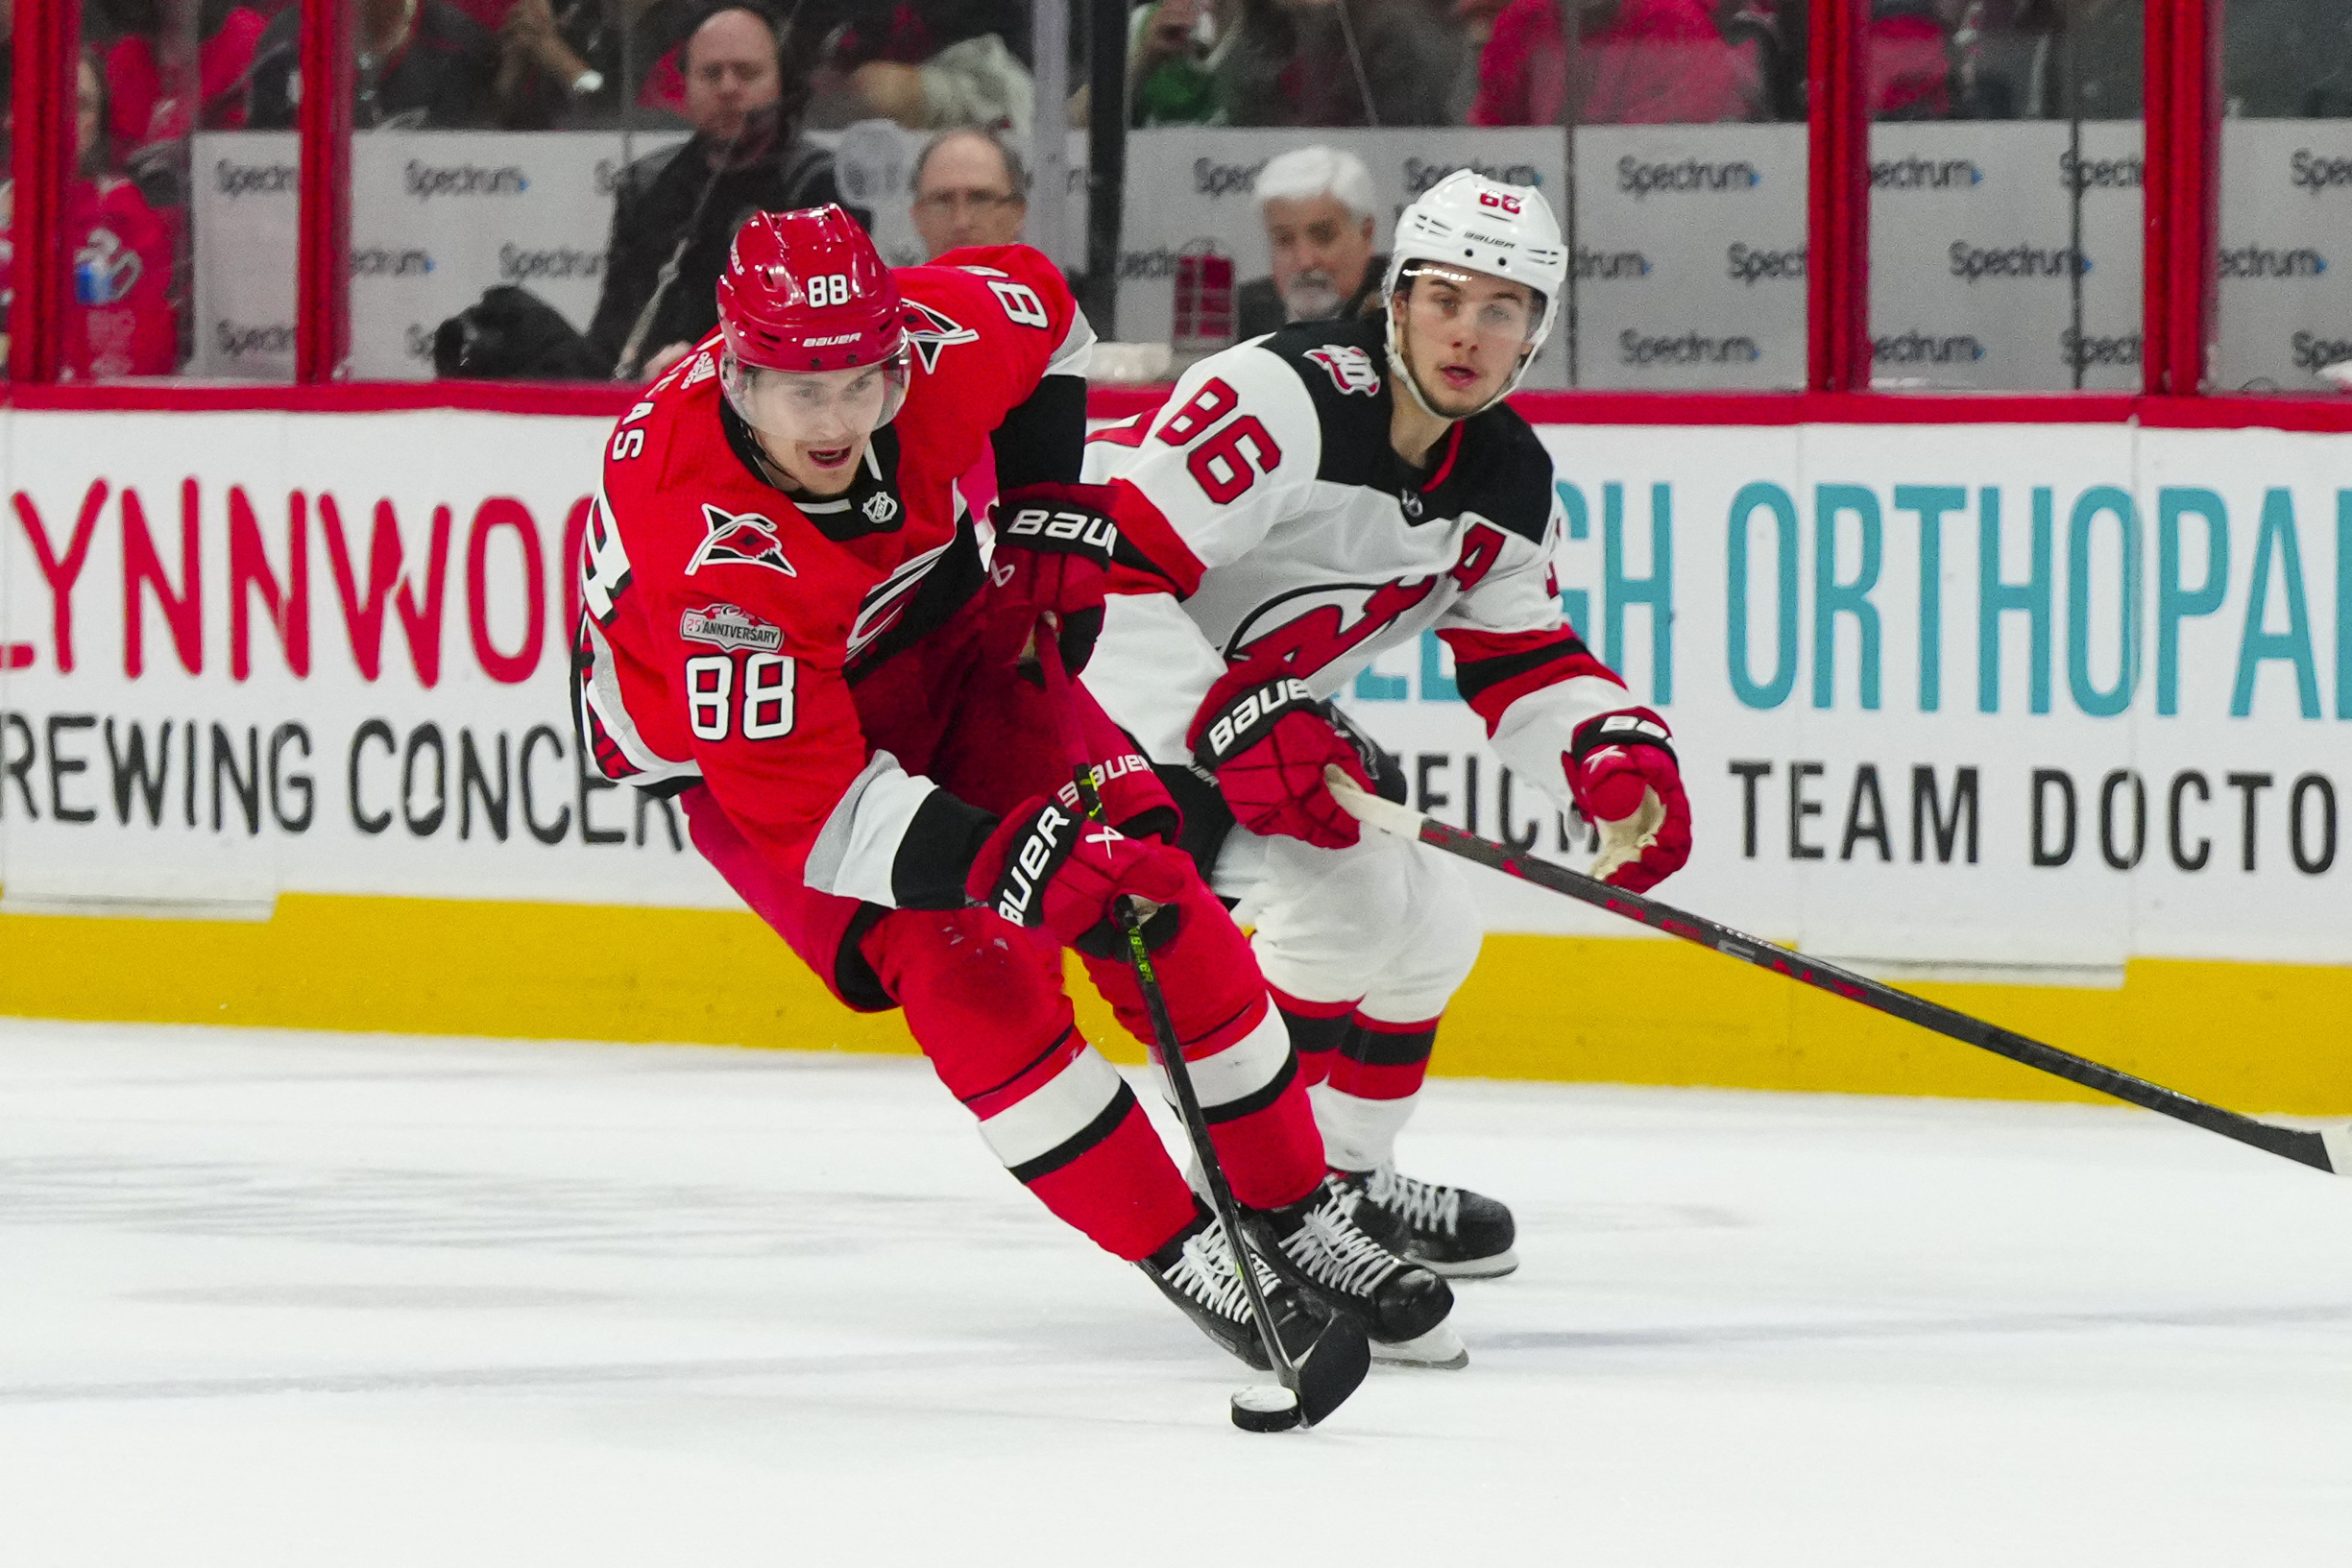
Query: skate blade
point(1494, 1266)
point(1438, 1350)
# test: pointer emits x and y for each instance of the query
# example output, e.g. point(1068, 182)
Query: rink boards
point(2052, 721)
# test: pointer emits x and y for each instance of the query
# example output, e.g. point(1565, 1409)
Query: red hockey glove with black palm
point(1623, 775)
point(1264, 737)
point(1054, 545)
point(1047, 865)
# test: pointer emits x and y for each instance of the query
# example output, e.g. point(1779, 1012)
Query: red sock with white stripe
point(1370, 1095)
point(1238, 1048)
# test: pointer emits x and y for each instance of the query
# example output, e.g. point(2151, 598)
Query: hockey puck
point(1266, 1406)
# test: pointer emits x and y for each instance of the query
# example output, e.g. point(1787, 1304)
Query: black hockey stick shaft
point(1197, 1128)
point(2322, 1152)
point(1130, 922)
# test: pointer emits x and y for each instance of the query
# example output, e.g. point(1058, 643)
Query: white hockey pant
point(1371, 941)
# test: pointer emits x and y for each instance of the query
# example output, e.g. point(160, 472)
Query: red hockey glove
point(1624, 778)
point(1133, 799)
point(1045, 865)
point(1053, 546)
point(1265, 738)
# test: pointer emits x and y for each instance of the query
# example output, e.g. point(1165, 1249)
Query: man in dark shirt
point(676, 211)
point(422, 64)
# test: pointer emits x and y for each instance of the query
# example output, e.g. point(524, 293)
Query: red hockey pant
point(985, 1001)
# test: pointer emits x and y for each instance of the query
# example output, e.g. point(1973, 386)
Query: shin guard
point(985, 1003)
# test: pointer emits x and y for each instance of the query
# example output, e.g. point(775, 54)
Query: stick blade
point(1332, 1367)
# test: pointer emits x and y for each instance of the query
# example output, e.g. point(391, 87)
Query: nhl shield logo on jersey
point(1350, 367)
point(931, 331)
point(730, 627)
point(739, 538)
point(880, 507)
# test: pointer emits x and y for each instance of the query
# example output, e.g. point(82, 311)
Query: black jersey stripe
point(1478, 674)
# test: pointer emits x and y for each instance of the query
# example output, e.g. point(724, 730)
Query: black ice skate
point(1317, 1245)
point(1196, 1271)
point(1447, 1230)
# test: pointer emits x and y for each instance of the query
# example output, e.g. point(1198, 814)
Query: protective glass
point(1438, 301)
point(823, 409)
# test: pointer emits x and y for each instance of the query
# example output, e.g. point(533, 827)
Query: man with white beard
point(1318, 207)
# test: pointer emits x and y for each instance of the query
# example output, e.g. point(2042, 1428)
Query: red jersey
point(724, 623)
point(119, 318)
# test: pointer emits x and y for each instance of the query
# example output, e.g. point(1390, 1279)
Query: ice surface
point(339, 1301)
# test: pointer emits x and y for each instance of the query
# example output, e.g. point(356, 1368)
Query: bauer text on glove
point(1055, 547)
point(1047, 865)
point(1267, 740)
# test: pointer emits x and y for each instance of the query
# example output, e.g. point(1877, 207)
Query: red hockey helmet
point(804, 296)
point(807, 290)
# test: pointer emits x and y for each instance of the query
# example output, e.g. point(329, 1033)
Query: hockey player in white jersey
point(1307, 499)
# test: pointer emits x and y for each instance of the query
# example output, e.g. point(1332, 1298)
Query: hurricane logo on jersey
point(744, 539)
point(889, 598)
point(931, 331)
point(1350, 367)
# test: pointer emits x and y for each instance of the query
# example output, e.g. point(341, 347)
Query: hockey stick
point(2328, 1149)
point(1331, 1367)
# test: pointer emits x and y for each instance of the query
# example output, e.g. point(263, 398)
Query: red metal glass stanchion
point(1837, 220)
point(2182, 90)
point(48, 39)
point(323, 268)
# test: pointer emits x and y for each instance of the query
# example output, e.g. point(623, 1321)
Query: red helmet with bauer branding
point(807, 290)
point(803, 303)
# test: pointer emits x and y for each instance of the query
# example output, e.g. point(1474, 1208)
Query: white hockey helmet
point(1468, 221)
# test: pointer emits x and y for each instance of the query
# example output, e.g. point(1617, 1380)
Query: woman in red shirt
point(119, 317)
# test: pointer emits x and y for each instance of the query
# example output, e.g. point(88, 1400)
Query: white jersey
point(1266, 490)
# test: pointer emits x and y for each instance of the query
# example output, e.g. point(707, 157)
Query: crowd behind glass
point(749, 86)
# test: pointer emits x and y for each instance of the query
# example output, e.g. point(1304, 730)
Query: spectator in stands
point(2083, 59)
point(582, 64)
point(933, 64)
point(1385, 62)
point(119, 316)
point(970, 188)
point(1907, 62)
point(423, 64)
point(1633, 62)
point(1320, 213)
point(676, 211)
point(2287, 59)
point(1174, 47)
point(169, 72)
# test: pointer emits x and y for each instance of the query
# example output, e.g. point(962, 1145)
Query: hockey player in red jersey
point(784, 623)
point(1312, 498)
